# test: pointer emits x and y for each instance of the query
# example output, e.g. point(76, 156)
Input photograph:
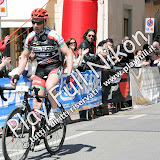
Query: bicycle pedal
point(32, 147)
point(36, 143)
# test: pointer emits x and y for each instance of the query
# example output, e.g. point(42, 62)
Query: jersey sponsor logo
point(44, 37)
point(39, 43)
point(36, 43)
point(43, 54)
point(43, 48)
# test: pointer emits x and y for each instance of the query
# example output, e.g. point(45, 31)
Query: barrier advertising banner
point(145, 86)
point(118, 90)
point(88, 97)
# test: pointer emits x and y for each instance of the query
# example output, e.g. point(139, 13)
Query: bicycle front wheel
point(54, 138)
point(15, 138)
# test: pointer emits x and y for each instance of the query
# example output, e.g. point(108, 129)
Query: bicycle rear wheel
point(15, 138)
point(54, 138)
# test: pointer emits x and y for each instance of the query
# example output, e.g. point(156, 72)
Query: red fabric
point(38, 81)
point(2, 46)
point(54, 71)
point(72, 80)
point(124, 86)
point(78, 16)
point(11, 79)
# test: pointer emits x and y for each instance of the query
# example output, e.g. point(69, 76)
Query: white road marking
point(42, 145)
point(138, 116)
point(67, 138)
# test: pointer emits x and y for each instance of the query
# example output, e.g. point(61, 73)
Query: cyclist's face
point(38, 25)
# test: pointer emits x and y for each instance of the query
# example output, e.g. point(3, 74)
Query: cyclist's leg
point(38, 83)
point(49, 86)
point(52, 80)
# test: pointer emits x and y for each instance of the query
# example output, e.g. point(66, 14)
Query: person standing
point(5, 67)
point(4, 43)
point(77, 59)
point(88, 42)
point(124, 59)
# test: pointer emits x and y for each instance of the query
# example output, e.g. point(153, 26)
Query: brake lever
point(36, 93)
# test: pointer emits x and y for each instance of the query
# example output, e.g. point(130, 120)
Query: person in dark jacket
point(88, 42)
point(123, 59)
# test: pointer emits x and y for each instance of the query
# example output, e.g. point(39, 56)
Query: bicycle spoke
point(55, 137)
point(13, 148)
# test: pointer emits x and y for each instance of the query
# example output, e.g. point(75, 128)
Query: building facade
point(116, 19)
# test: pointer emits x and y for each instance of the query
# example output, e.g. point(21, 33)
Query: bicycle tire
point(54, 149)
point(21, 132)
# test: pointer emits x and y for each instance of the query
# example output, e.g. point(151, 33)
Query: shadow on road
point(73, 148)
point(66, 149)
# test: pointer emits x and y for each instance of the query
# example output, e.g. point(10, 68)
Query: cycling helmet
point(39, 13)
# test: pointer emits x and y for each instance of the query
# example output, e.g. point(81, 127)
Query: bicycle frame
point(28, 108)
point(31, 114)
point(43, 130)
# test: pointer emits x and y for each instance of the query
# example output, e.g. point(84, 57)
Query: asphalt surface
point(127, 135)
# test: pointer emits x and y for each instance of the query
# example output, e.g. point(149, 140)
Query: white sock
point(54, 110)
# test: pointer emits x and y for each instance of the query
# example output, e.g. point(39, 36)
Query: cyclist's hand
point(68, 79)
point(14, 79)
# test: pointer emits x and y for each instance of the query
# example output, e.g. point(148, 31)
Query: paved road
point(126, 135)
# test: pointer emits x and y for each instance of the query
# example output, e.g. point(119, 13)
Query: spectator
point(156, 51)
point(157, 39)
point(88, 42)
point(89, 37)
point(123, 59)
point(3, 44)
point(106, 53)
point(156, 45)
point(5, 67)
point(77, 59)
point(30, 68)
point(156, 59)
point(142, 62)
point(148, 59)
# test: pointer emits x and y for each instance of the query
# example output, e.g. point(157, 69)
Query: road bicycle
point(17, 137)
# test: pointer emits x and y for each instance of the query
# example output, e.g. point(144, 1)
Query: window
point(125, 27)
point(127, 22)
point(157, 25)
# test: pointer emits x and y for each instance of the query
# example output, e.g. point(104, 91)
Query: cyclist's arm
point(69, 56)
point(24, 59)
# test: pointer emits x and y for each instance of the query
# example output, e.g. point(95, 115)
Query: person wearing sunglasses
point(89, 37)
point(49, 48)
point(88, 42)
point(77, 58)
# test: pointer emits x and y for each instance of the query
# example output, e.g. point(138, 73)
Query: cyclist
point(48, 46)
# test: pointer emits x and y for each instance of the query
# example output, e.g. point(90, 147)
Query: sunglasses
point(72, 43)
point(37, 22)
point(91, 35)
